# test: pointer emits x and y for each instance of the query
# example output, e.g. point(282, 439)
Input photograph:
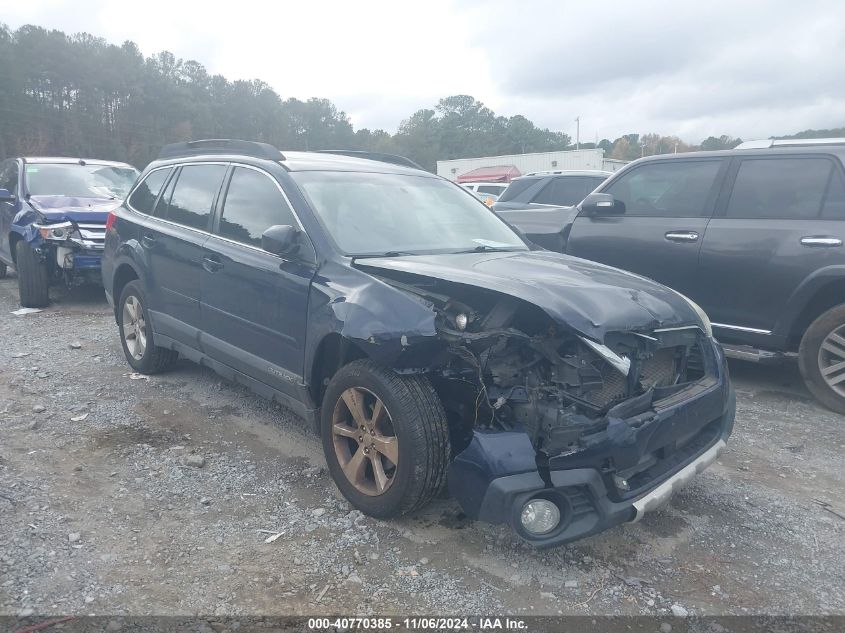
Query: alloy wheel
point(134, 327)
point(832, 360)
point(365, 443)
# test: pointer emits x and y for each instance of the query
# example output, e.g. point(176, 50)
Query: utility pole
point(578, 132)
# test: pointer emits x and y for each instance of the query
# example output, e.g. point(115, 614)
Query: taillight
point(110, 220)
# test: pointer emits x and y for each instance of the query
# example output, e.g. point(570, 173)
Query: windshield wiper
point(385, 254)
point(484, 248)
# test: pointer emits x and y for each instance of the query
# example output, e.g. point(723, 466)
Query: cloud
point(749, 69)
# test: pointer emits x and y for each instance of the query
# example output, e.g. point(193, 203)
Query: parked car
point(420, 335)
point(487, 192)
point(53, 220)
point(543, 189)
point(754, 235)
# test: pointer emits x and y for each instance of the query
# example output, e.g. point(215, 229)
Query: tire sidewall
point(145, 364)
point(391, 502)
point(808, 357)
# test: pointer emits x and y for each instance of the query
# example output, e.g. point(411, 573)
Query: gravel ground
point(126, 495)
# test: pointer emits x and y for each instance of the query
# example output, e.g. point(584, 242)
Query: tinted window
point(834, 204)
point(193, 195)
point(9, 176)
point(494, 189)
point(517, 187)
point(144, 197)
point(253, 204)
point(565, 191)
point(667, 188)
point(779, 188)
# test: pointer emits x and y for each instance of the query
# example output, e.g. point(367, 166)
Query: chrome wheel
point(365, 443)
point(134, 327)
point(832, 360)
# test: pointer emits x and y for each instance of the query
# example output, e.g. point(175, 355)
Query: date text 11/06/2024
point(417, 623)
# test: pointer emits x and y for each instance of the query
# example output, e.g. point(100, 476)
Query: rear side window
point(193, 195)
point(493, 189)
point(144, 197)
point(834, 204)
point(779, 188)
point(565, 191)
point(677, 189)
point(253, 204)
point(516, 188)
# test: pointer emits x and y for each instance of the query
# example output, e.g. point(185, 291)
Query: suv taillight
point(110, 220)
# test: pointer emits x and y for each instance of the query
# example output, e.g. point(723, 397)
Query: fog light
point(461, 321)
point(540, 516)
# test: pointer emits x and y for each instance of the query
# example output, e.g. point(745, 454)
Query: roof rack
point(381, 157)
point(220, 146)
point(787, 142)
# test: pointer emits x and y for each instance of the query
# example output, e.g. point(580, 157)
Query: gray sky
point(750, 69)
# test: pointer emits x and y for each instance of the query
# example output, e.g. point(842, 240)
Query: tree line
point(79, 95)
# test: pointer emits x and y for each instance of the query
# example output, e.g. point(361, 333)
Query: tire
point(413, 414)
point(144, 355)
point(3, 270)
point(829, 331)
point(33, 280)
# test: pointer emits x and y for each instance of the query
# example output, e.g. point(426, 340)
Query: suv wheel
point(385, 438)
point(33, 279)
point(136, 335)
point(821, 358)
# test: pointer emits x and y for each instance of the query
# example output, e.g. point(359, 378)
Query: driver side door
point(668, 204)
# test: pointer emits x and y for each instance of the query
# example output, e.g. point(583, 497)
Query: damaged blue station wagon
point(53, 220)
point(421, 335)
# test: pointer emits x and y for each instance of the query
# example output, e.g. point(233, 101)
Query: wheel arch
point(333, 352)
point(822, 291)
point(124, 272)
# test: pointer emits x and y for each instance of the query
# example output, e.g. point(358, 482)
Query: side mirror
point(280, 239)
point(601, 204)
point(6, 196)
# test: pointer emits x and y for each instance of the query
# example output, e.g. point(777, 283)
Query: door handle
point(820, 241)
point(682, 236)
point(212, 263)
point(148, 240)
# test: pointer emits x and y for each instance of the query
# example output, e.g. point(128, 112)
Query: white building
point(527, 163)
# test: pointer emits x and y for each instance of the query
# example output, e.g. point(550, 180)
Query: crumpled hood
point(591, 298)
point(58, 208)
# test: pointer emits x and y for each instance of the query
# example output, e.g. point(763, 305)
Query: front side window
point(779, 188)
point(678, 189)
point(75, 180)
point(193, 195)
point(253, 204)
point(371, 214)
point(144, 196)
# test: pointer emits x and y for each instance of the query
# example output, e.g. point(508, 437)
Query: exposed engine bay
point(508, 366)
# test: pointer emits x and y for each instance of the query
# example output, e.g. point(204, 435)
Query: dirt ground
point(126, 495)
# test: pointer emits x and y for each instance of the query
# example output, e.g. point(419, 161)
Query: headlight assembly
point(56, 232)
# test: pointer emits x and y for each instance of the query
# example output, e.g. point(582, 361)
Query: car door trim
point(741, 328)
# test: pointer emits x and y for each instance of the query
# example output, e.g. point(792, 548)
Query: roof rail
point(381, 157)
point(787, 142)
point(220, 146)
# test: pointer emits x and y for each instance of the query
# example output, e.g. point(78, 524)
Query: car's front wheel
point(136, 335)
point(821, 358)
point(33, 278)
point(385, 438)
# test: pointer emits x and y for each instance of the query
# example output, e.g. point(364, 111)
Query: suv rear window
point(144, 197)
point(517, 187)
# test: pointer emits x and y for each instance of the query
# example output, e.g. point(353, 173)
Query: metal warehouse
point(527, 163)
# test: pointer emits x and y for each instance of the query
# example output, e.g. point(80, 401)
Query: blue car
point(53, 215)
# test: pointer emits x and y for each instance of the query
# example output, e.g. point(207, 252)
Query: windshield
point(373, 214)
point(79, 181)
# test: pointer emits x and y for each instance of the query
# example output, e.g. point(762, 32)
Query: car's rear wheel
point(136, 335)
point(385, 438)
point(33, 278)
point(821, 358)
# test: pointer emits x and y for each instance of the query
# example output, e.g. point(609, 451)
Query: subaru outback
point(421, 336)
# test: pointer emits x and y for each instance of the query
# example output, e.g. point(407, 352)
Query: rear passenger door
point(254, 303)
point(667, 206)
point(173, 247)
point(780, 220)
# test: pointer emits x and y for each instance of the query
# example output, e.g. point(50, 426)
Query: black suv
point(549, 188)
point(755, 235)
point(420, 335)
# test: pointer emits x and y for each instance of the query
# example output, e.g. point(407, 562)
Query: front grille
point(660, 370)
point(93, 235)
